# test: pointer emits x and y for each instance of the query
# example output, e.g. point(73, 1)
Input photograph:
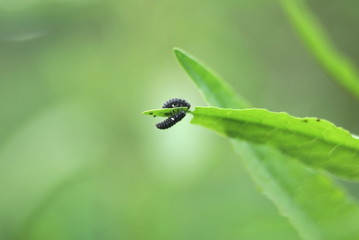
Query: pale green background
point(79, 161)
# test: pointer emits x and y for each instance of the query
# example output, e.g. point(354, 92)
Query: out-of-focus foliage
point(340, 67)
point(79, 161)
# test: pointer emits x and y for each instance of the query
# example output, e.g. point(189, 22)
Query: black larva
point(176, 102)
point(175, 117)
point(169, 122)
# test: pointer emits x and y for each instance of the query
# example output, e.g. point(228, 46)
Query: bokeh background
point(79, 161)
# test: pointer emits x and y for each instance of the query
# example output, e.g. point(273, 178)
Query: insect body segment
point(176, 102)
point(175, 116)
point(169, 122)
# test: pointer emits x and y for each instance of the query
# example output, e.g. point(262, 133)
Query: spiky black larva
point(176, 102)
point(175, 116)
point(169, 122)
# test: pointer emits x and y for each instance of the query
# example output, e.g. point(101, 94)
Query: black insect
point(169, 122)
point(174, 117)
point(176, 102)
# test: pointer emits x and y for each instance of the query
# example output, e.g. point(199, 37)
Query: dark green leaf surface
point(314, 205)
point(314, 141)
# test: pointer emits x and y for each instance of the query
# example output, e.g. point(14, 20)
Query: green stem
point(318, 43)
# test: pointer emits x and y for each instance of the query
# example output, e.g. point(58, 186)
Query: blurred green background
point(79, 161)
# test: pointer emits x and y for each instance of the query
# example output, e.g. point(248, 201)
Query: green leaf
point(319, 44)
point(315, 206)
point(218, 88)
point(164, 112)
point(314, 141)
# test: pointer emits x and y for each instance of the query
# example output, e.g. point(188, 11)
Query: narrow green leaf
point(314, 141)
point(317, 41)
point(316, 207)
point(218, 88)
point(164, 112)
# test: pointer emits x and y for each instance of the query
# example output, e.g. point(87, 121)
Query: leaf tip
point(178, 52)
point(148, 113)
